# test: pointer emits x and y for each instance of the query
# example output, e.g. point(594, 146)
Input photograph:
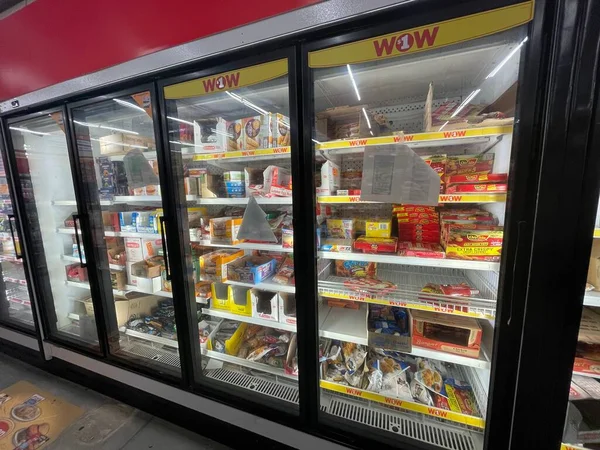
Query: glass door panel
point(229, 136)
point(582, 423)
point(116, 147)
point(15, 302)
point(412, 146)
point(44, 171)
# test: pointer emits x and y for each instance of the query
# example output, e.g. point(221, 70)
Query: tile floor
point(106, 424)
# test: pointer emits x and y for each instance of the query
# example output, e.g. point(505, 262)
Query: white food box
point(330, 179)
point(139, 249)
point(148, 285)
point(274, 303)
point(210, 135)
point(277, 179)
point(287, 304)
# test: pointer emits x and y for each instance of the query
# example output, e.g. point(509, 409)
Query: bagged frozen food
point(454, 290)
point(355, 268)
point(373, 285)
point(420, 393)
point(460, 397)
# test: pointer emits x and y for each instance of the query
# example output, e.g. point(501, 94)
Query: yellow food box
point(224, 230)
point(220, 296)
point(213, 265)
point(380, 228)
point(240, 300)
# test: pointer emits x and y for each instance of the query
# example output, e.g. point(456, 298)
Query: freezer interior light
point(129, 105)
point(247, 103)
point(353, 81)
point(25, 130)
point(180, 120)
point(505, 60)
point(465, 102)
point(367, 117)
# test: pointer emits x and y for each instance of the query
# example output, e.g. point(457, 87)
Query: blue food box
point(251, 269)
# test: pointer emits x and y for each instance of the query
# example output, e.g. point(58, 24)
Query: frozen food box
point(280, 130)
point(476, 188)
point(138, 249)
point(421, 249)
point(240, 300)
point(121, 143)
point(213, 266)
point(107, 178)
point(224, 230)
point(482, 164)
point(278, 182)
point(478, 178)
point(344, 268)
point(220, 296)
point(336, 245)
point(75, 272)
point(210, 134)
point(210, 185)
point(376, 245)
point(257, 132)
point(255, 181)
point(438, 163)
point(118, 279)
point(287, 308)
point(389, 328)
point(378, 228)
point(287, 237)
point(330, 179)
point(446, 333)
point(251, 269)
point(234, 184)
point(235, 137)
point(265, 305)
point(340, 228)
point(473, 242)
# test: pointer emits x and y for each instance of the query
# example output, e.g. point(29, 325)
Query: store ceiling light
point(367, 117)
point(353, 81)
point(25, 130)
point(180, 120)
point(465, 102)
point(248, 103)
point(129, 105)
point(505, 60)
point(104, 127)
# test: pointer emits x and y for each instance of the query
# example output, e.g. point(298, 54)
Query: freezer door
point(229, 141)
point(122, 229)
point(412, 134)
point(43, 170)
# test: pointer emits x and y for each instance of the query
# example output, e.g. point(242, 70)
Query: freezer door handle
point(11, 218)
point(164, 243)
point(78, 240)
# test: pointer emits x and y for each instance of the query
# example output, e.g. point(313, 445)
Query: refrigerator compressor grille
point(265, 387)
point(163, 356)
point(447, 438)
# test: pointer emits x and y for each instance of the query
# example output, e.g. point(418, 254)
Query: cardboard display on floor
point(31, 418)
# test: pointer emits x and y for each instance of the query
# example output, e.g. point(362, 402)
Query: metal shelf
point(245, 155)
point(264, 286)
point(154, 339)
point(76, 260)
point(130, 234)
point(443, 198)
point(245, 246)
point(409, 281)
point(249, 319)
point(120, 293)
point(412, 260)
point(249, 364)
point(591, 299)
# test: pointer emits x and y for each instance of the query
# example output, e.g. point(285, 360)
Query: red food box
point(478, 178)
point(413, 208)
point(376, 245)
point(466, 219)
point(464, 188)
point(417, 215)
point(421, 250)
point(446, 333)
point(469, 165)
point(348, 192)
point(417, 221)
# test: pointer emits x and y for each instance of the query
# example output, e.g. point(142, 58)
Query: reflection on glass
point(44, 170)
point(412, 159)
point(117, 150)
point(229, 136)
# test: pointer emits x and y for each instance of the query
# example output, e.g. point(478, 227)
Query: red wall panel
point(51, 41)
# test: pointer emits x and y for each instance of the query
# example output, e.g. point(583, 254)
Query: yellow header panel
point(424, 38)
point(228, 81)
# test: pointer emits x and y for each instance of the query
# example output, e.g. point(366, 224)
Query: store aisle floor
point(106, 424)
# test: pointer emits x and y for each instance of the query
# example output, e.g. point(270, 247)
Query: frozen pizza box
point(476, 188)
point(473, 242)
point(446, 333)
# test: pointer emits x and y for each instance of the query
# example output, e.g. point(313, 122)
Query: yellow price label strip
point(243, 154)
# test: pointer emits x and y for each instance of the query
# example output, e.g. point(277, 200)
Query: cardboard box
point(257, 132)
point(340, 228)
point(144, 269)
point(330, 179)
point(287, 308)
point(143, 191)
point(482, 164)
point(121, 143)
point(476, 188)
point(118, 279)
point(240, 300)
point(336, 245)
point(210, 134)
point(473, 242)
point(378, 228)
point(265, 305)
point(235, 138)
point(220, 296)
point(255, 181)
point(149, 285)
point(478, 178)
point(76, 273)
point(446, 333)
point(278, 182)
point(251, 269)
point(127, 221)
point(235, 186)
point(213, 266)
point(139, 306)
point(139, 249)
point(107, 178)
point(390, 341)
point(110, 220)
point(190, 186)
point(209, 185)
point(280, 130)
point(376, 245)
point(224, 230)
point(594, 268)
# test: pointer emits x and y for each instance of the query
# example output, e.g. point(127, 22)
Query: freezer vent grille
point(163, 356)
point(444, 437)
point(265, 387)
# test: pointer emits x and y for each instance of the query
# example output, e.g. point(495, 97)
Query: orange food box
point(446, 333)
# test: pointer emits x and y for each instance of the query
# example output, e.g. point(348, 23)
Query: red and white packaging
point(478, 178)
point(348, 192)
point(278, 182)
point(474, 188)
point(376, 245)
point(413, 208)
point(420, 250)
